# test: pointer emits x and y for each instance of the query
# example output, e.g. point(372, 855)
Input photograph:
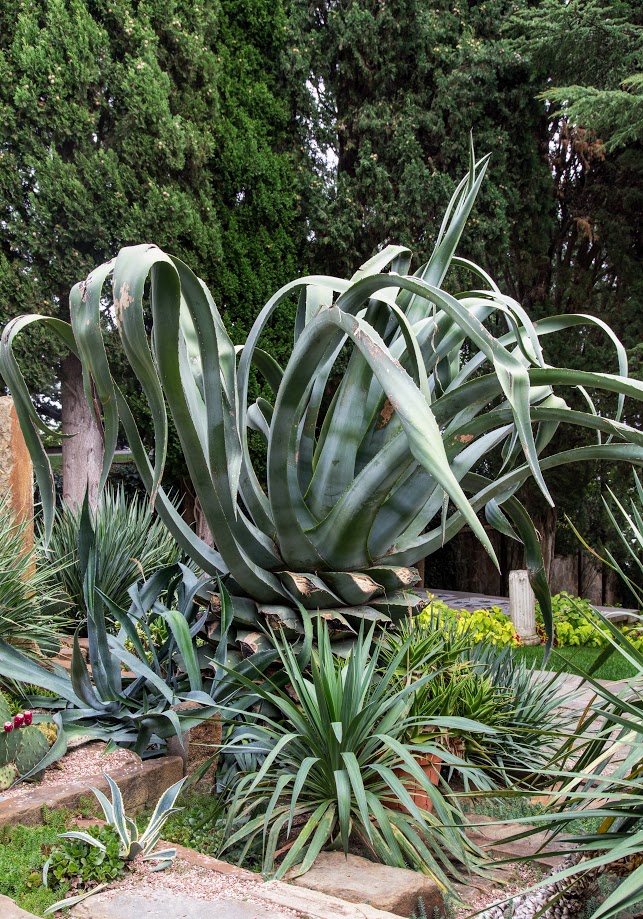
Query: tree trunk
point(82, 453)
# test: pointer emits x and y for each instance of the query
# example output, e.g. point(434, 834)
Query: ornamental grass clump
point(446, 406)
point(130, 544)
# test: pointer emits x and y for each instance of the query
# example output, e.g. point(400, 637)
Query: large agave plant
point(359, 489)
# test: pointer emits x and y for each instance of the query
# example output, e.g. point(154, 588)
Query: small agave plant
point(358, 490)
point(133, 843)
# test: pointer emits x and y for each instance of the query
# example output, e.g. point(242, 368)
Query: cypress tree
point(122, 122)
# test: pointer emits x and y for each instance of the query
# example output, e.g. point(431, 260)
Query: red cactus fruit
point(18, 720)
point(8, 726)
point(28, 716)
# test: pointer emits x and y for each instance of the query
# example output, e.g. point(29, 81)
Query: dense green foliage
point(161, 120)
point(81, 865)
point(22, 856)
point(476, 678)
point(481, 625)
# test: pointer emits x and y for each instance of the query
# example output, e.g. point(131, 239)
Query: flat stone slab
point(9, 910)
point(357, 880)
point(129, 905)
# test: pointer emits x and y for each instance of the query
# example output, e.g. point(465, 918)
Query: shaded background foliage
point(261, 140)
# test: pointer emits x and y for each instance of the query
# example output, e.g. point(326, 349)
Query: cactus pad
point(9, 743)
point(32, 747)
point(5, 711)
point(8, 775)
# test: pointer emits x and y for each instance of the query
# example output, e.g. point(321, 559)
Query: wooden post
point(522, 607)
point(16, 471)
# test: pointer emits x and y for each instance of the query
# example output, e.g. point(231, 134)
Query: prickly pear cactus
point(8, 775)
point(9, 744)
point(22, 744)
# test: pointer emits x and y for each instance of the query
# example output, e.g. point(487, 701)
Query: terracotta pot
point(430, 764)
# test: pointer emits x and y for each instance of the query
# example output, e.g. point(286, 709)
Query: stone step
point(358, 880)
point(160, 904)
point(10, 910)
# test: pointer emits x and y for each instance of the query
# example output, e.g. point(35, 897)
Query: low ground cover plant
point(23, 852)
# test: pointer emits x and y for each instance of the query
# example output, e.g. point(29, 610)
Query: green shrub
point(482, 625)
point(578, 624)
point(484, 683)
point(575, 622)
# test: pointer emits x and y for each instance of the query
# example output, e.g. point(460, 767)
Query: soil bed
point(81, 762)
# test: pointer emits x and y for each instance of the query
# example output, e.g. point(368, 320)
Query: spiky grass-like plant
point(33, 610)
point(131, 544)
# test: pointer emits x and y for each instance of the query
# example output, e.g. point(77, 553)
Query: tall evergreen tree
point(580, 52)
point(122, 122)
point(390, 91)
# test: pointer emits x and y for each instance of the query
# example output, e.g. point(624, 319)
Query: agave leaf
point(30, 421)
point(420, 427)
point(71, 901)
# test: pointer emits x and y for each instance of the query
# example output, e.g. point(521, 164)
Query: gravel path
point(193, 883)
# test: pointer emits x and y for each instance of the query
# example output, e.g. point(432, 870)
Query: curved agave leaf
point(421, 429)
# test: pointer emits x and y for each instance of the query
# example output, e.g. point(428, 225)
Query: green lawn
point(577, 660)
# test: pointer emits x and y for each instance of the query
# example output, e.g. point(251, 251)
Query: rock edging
point(140, 784)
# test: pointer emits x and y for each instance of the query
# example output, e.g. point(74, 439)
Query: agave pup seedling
point(132, 843)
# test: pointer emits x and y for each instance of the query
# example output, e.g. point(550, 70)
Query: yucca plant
point(130, 544)
point(334, 767)
point(357, 490)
